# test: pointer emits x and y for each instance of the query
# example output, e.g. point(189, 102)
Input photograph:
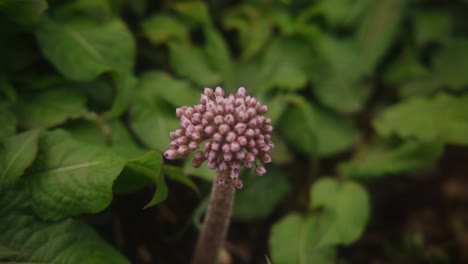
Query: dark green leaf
point(294, 239)
point(50, 107)
point(16, 154)
point(260, 195)
point(177, 174)
point(451, 64)
point(162, 28)
point(380, 160)
point(82, 50)
point(197, 11)
point(28, 240)
point(217, 51)
point(440, 118)
point(190, 62)
point(23, 11)
point(7, 122)
point(432, 26)
point(345, 210)
point(69, 177)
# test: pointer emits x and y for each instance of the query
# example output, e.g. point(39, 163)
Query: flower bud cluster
point(233, 131)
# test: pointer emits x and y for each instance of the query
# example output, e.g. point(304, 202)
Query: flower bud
point(260, 170)
point(170, 154)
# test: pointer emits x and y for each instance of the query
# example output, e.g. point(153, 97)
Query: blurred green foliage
point(88, 90)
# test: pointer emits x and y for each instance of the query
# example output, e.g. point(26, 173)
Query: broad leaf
point(23, 11)
point(25, 239)
point(380, 160)
point(451, 64)
point(294, 240)
point(69, 178)
point(82, 50)
point(162, 28)
point(177, 174)
point(197, 11)
point(432, 26)
point(345, 210)
point(7, 122)
point(260, 195)
point(50, 107)
point(16, 154)
point(440, 118)
point(217, 51)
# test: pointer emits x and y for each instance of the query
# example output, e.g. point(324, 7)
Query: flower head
point(233, 130)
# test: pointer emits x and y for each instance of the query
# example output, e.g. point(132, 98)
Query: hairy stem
point(215, 225)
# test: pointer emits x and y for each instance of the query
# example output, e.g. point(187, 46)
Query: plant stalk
point(215, 225)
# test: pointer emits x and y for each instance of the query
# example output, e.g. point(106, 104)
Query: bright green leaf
point(294, 239)
point(16, 154)
point(161, 28)
point(345, 211)
point(375, 161)
point(69, 177)
point(190, 62)
point(82, 50)
point(23, 11)
point(260, 195)
point(197, 11)
point(50, 107)
point(28, 240)
point(440, 118)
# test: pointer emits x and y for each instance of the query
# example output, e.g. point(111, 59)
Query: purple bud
point(226, 148)
point(229, 119)
point(234, 174)
point(231, 136)
point(170, 154)
point(204, 99)
point(253, 123)
point(189, 112)
point(179, 112)
point(265, 148)
point(248, 164)
point(200, 109)
point(235, 165)
point(260, 170)
point(185, 122)
point(221, 181)
point(173, 144)
point(196, 118)
point(254, 151)
point(219, 91)
point(265, 158)
point(181, 140)
point(235, 146)
point(183, 150)
point(218, 137)
point(240, 92)
point(262, 110)
point(268, 129)
point(227, 156)
point(199, 156)
point(196, 163)
point(208, 116)
point(208, 92)
point(193, 145)
point(219, 100)
point(249, 133)
point(223, 166)
point(238, 183)
point(267, 121)
point(239, 102)
point(223, 129)
point(240, 155)
point(218, 120)
point(207, 144)
point(242, 141)
point(212, 155)
point(240, 128)
point(250, 157)
point(210, 130)
point(251, 112)
point(215, 146)
point(211, 164)
point(251, 143)
point(219, 110)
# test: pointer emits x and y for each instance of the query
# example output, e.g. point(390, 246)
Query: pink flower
point(234, 131)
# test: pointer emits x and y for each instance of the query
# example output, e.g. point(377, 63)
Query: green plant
point(88, 91)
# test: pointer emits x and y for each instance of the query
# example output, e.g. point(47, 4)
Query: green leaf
point(162, 28)
point(50, 107)
point(69, 177)
point(28, 240)
point(124, 85)
point(7, 122)
point(378, 30)
point(16, 154)
point(217, 51)
point(440, 118)
point(345, 210)
point(286, 63)
point(260, 195)
point(197, 11)
point(294, 239)
point(375, 161)
point(161, 85)
point(339, 78)
point(177, 174)
point(190, 62)
point(432, 26)
point(81, 50)
point(314, 130)
point(281, 154)
point(98, 10)
point(451, 64)
point(23, 11)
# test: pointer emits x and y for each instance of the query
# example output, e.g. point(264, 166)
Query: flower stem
point(215, 225)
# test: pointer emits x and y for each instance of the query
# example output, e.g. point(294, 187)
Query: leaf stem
point(215, 225)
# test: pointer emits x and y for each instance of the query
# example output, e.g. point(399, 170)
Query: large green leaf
point(69, 178)
point(23, 11)
point(378, 29)
point(440, 118)
point(432, 26)
point(161, 28)
point(380, 160)
point(25, 239)
point(451, 64)
point(50, 107)
point(339, 79)
point(314, 130)
point(294, 240)
point(16, 154)
point(7, 122)
point(345, 210)
point(191, 62)
point(217, 51)
point(81, 50)
point(197, 11)
point(260, 195)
